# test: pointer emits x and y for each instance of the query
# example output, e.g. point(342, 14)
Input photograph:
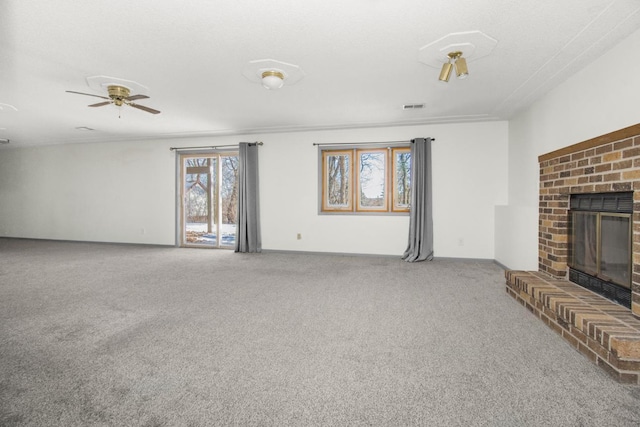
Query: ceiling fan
point(119, 95)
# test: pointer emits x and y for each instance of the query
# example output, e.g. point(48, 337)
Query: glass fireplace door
point(615, 243)
point(585, 242)
point(601, 245)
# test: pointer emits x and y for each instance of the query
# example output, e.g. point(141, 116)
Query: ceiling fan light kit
point(119, 95)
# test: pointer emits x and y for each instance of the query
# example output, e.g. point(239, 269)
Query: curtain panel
point(420, 246)
point(248, 237)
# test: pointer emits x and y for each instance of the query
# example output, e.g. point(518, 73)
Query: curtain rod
point(213, 146)
point(365, 143)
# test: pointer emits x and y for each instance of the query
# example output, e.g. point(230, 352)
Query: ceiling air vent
point(412, 106)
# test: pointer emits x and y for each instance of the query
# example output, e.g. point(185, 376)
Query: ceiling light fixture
point(462, 72)
point(272, 74)
point(273, 79)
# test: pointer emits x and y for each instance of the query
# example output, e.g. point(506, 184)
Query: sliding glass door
point(209, 195)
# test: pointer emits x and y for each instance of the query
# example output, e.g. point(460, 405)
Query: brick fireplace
point(610, 163)
point(607, 333)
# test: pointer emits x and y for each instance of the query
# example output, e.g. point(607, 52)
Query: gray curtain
point(248, 237)
point(420, 246)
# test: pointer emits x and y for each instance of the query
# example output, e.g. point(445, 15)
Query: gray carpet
point(117, 335)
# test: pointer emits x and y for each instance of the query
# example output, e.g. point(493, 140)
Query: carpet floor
point(122, 335)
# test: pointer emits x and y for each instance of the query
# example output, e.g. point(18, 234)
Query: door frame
point(180, 196)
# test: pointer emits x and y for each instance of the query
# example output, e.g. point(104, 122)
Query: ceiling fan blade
point(100, 104)
point(135, 97)
point(88, 94)
point(143, 108)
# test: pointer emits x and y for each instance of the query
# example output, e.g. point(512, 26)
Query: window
point(366, 180)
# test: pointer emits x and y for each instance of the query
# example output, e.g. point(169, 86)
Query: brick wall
point(605, 164)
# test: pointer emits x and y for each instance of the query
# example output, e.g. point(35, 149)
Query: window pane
point(402, 179)
point(372, 177)
point(337, 180)
point(229, 200)
point(199, 182)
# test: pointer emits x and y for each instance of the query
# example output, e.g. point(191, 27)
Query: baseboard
point(275, 251)
point(97, 242)
point(282, 251)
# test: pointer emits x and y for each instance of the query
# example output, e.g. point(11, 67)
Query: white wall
point(120, 192)
point(602, 98)
point(125, 191)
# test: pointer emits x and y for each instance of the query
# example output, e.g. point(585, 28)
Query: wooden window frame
point(354, 197)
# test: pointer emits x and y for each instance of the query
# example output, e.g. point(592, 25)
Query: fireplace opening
point(600, 244)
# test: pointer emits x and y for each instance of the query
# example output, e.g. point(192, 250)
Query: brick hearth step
point(607, 333)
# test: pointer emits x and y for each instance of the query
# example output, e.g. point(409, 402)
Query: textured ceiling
point(360, 60)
